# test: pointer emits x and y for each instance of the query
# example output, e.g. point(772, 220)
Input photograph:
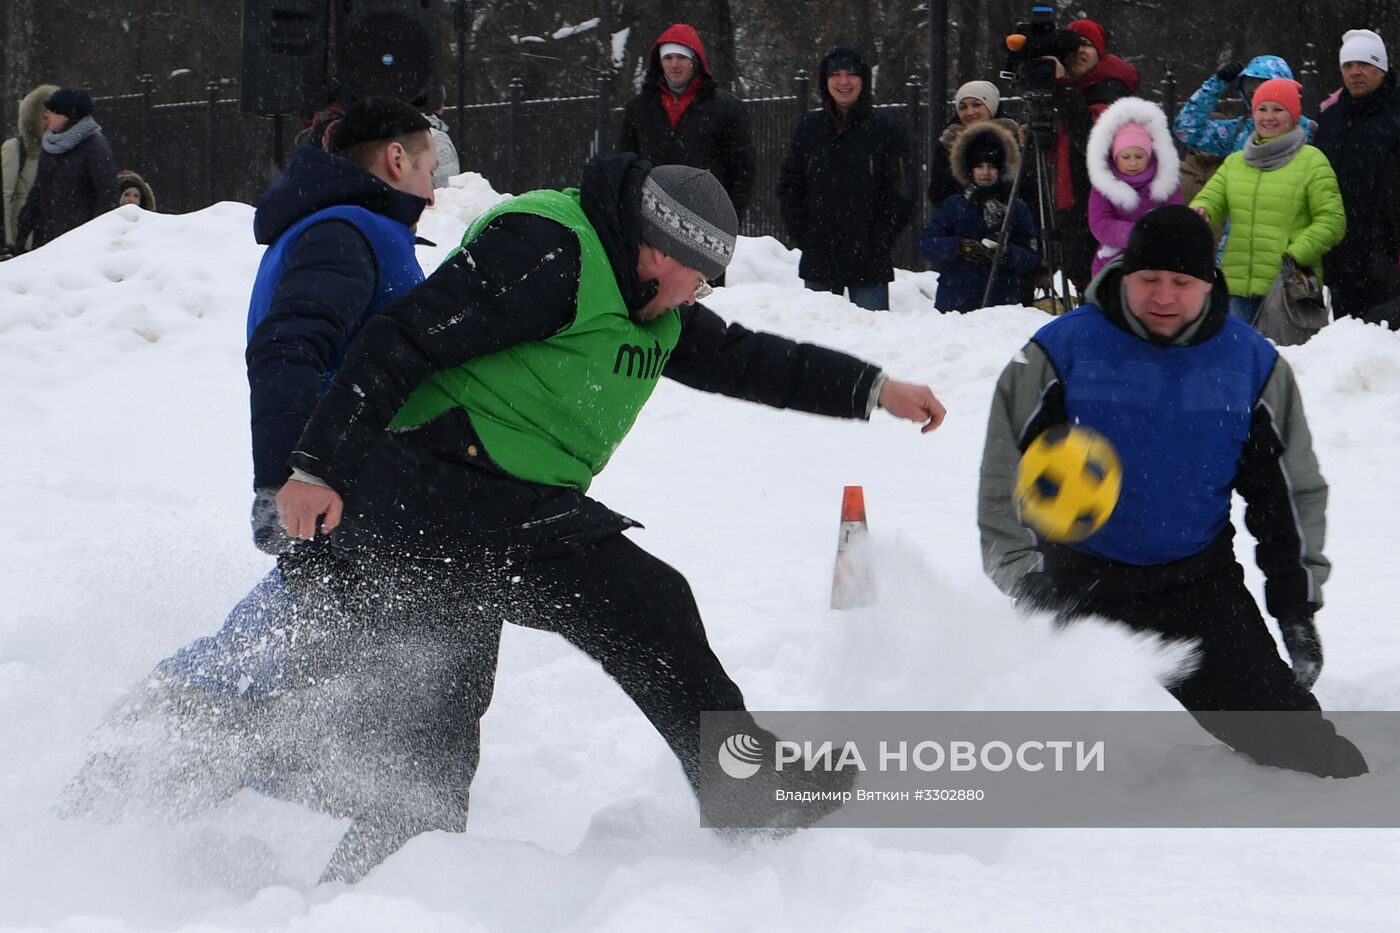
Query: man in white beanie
point(1360, 135)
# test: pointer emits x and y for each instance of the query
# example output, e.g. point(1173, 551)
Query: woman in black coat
point(77, 176)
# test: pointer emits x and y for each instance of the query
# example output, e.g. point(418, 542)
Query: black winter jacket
point(70, 188)
point(1361, 138)
point(433, 490)
point(713, 133)
point(846, 190)
point(322, 295)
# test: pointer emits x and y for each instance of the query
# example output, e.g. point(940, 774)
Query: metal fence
point(194, 153)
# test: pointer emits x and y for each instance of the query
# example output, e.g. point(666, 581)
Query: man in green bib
point(450, 462)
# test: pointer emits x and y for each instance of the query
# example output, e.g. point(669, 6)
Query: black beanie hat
point(71, 102)
point(687, 214)
point(375, 118)
point(841, 60)
point(1172, 238)
point(986, 147)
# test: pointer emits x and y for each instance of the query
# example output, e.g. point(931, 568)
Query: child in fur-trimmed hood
point(1133, 168)
point(963, 234)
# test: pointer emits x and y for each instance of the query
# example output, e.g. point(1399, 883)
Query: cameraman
point(1087, 80)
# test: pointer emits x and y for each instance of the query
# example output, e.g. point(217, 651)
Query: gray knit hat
point(687, 214)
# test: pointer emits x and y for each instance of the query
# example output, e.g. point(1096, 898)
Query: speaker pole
point(278, 155)
point(461, 13)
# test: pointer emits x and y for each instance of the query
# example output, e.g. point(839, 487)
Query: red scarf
point(1064, 183)
point(675, 104)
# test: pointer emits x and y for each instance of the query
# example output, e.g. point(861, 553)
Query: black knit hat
point(841, 60)
point(1172, 238)
point(375, 118)
point(71, 102)
point(985, 148)
point(687, 214)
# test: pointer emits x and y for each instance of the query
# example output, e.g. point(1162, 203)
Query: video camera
point(1027, 64)
point(1027, 47)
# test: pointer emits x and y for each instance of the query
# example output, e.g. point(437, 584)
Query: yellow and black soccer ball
point(1068, 483)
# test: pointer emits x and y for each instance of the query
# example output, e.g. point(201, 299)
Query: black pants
point(1239, 670)
point(395, 665)
point(1350, 301)
point(1077, 245)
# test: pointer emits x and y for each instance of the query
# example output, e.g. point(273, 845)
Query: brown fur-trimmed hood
point(1010, 147)
point(126, 178)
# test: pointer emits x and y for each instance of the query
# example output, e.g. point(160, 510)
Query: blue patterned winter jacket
point(1194, 127)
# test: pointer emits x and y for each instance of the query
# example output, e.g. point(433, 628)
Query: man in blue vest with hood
point(339, 227)
point(1198, 405)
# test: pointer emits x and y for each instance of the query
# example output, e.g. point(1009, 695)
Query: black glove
point(1304, 648)
point(1229, 71)
point(975, 251)
point(268, 533)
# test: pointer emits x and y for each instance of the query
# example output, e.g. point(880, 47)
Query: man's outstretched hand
point(912, 403)
point(302, 505)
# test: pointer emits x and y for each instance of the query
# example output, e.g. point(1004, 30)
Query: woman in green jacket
point(1280, 196)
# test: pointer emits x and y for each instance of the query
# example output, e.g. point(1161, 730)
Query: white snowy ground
point(124, 492)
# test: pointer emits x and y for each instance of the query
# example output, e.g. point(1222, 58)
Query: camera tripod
point(1039, 137)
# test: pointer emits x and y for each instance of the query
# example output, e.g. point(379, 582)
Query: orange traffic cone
point(852, 583)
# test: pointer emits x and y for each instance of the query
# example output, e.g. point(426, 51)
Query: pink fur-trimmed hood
point(1099, 153)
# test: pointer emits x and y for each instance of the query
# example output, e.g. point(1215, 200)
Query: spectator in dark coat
point(1360, 135)
point(984, 160)
point(845, 186)
point(1085, 85)
point(681, 117)
point(77, 177)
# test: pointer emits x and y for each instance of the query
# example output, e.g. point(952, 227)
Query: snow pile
point(125, 488)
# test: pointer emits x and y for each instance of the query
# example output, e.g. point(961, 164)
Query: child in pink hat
point(1133, 168)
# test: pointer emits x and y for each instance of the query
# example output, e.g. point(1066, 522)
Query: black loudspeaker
point(284, 56)
point(386, 47)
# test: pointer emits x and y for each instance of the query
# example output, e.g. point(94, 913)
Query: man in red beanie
point(682, 117)
point(1101, 77)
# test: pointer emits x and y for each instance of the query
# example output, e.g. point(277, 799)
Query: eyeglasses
point(704, 289)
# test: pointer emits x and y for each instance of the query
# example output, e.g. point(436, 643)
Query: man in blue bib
point(339, 227)
point(1198, 406)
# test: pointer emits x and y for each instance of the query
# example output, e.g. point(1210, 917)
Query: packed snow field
point(124, 488)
